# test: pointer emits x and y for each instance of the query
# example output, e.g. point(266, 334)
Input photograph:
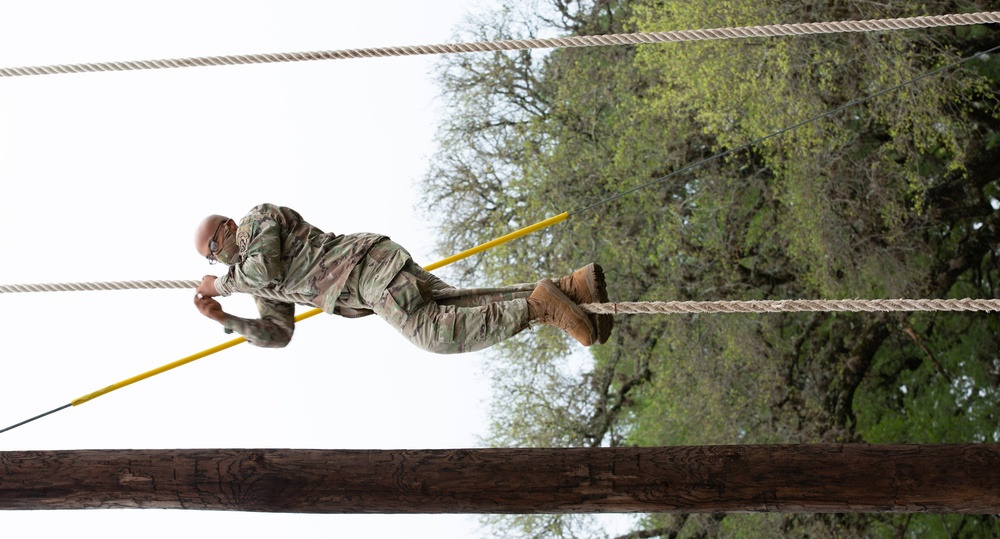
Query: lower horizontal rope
point(633, 307)
point(792, 305)
point(139, 285)
point(90, 287)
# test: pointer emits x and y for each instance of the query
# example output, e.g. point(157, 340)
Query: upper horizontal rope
point(777, 30)
point(646, 307)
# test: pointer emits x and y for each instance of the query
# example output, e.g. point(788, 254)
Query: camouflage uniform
point(355, 275)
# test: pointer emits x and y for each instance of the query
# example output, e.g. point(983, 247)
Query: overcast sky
point(105, 177)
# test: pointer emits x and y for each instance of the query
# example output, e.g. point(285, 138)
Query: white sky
point(105, 176)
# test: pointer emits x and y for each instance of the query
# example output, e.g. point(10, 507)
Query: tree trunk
point(961, 478)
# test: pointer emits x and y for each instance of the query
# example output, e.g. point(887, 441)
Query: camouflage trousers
point(430, 313)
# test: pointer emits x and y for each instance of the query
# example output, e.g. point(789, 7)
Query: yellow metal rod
point(158, 370)
point(499, 241)
point(184, 361)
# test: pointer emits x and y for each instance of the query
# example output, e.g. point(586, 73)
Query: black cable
point(63, 407)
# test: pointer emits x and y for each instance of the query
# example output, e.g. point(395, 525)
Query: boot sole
point(557, 295)
point(603, 323)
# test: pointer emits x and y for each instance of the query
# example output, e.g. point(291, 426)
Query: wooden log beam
point(946, 478)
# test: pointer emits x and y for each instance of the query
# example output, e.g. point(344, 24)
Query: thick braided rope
point(88, 287)
point(137, 285)
point(871, 25)
point(793, 305)
point(646, 307)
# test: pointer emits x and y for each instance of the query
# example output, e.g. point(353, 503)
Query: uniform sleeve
point(261, 258)
point(273, 329)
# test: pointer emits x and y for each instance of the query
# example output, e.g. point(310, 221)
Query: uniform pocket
point(403, 294)
point(446, 326)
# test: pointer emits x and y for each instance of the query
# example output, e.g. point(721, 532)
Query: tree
point(893, 198)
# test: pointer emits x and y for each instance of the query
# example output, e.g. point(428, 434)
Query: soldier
point(359, 274)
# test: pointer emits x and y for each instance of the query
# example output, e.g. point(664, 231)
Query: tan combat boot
point(550, 306)
point(586, 285)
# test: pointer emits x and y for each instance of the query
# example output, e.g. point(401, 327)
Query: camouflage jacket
point(278, 249)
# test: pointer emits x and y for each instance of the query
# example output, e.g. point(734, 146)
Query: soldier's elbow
point(276, 341)
point(282, 341)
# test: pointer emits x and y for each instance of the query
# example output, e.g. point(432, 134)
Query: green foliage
point(914, 396)
point(874, 162)
point(889, 198)
point(539, 526)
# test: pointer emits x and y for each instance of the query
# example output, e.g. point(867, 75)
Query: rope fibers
point(776, 30)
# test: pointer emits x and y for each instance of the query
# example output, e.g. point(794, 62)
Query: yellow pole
point(158, 370)
point(184, 361)
point(499, 241)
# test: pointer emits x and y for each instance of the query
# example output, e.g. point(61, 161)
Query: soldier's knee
point(433, 330)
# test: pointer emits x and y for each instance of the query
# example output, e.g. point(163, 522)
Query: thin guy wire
point(782, 131)
point(871, 25)
point(39, 416)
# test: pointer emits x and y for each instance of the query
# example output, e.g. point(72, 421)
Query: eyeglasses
point(213, 246)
